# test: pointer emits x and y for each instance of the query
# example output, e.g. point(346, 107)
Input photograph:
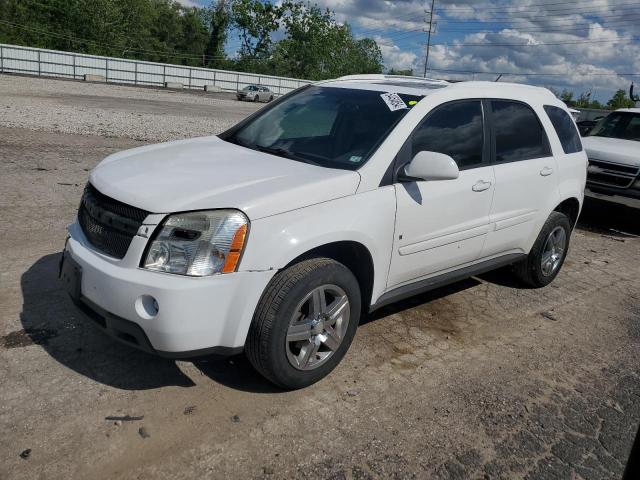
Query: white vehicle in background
point(332, 201)
point(613, 148)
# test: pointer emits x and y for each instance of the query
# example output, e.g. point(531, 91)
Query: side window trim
point(494, 160)
point(403, 157)
point(485, 158)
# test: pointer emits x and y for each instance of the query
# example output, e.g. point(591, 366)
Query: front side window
point(518, 132)
point(327, 126)
point(455, 129)
point(565, 128)
point(623, 125)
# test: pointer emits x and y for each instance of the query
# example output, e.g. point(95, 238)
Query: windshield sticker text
point(393, 101)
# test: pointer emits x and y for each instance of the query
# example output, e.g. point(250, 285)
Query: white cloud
point(588, 63)
point(393, 56)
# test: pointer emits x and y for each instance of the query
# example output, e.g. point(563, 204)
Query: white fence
point(54, 63)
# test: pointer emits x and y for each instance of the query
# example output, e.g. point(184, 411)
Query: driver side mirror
point(431, 166)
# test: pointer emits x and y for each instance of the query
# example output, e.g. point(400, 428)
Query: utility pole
point(426, 60)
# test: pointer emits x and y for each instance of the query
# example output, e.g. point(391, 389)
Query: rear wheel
point(304, 323)
point(271, 98)
point(548, 252)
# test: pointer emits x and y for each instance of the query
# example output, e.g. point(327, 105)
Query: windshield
point(326, 126)
point(623, 125)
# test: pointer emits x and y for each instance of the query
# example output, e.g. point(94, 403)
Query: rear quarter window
point(565, 128)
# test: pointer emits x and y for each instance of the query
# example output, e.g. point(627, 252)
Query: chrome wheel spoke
point(331, 338)
point(308, 353)
point(319, 301)
point(336, 309)
point(299, 331)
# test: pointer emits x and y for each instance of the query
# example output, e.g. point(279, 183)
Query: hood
point(207, 173)
point(615, 150)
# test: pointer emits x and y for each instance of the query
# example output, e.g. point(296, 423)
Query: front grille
point(611, 174)
point(108, 224)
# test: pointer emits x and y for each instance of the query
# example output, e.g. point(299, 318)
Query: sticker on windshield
point(393, 101)
point(355, 158)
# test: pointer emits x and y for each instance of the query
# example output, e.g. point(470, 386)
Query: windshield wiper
point(282, 152)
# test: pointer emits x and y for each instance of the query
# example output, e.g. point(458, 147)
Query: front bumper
point(195, 316)
point(628, 197)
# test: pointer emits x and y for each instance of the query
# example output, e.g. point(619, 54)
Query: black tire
point(256, 98)
point(529, 271)
point(270, 98)
point(266, 346)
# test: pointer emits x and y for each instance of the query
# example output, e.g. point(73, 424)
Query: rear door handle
point(481, 186)
point(546, 171)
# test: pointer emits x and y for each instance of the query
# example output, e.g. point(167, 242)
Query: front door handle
point(481, 186)
point(546, 171)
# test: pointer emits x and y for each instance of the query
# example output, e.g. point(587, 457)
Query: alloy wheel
point(317, 327)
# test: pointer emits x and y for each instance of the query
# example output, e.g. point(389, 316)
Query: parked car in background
point(333, 201)
point(255, 93)
point(613, 148)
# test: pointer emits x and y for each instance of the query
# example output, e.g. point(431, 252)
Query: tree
point(256, 21)
point(219, 19)
point(620, 100)
point(317, 47)
point(566, 96)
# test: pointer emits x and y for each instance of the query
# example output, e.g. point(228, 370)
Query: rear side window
point(454, 129)
point(565, 128)
point(518, 132)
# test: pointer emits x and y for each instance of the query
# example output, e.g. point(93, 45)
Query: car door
point(525, 176)
point(442, 224)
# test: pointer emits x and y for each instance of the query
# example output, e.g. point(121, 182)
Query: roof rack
point(379, 77)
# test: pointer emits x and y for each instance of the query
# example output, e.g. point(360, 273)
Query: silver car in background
point(255, 93)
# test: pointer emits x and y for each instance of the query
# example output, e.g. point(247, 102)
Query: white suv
point(343, 196)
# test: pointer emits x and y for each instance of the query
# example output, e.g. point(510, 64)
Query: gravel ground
point(115, 111)
point(477, 380)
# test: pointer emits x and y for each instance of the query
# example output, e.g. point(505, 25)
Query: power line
point(630, 9)
point(534, 74)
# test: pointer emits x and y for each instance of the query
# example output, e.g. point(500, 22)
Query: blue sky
point(582, 45)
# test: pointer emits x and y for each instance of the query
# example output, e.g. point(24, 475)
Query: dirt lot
point(478, 380)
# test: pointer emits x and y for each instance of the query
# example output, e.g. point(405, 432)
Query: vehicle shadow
point(618, 221)
point(50, 319)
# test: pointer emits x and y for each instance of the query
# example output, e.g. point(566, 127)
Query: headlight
point(198, 243)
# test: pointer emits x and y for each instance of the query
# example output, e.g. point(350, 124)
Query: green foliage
point(219, 19)
point(155, 30)
point(566, 96)
point(315, 46)
point(620, 100)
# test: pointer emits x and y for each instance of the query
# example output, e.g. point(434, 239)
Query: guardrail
point(55, 63)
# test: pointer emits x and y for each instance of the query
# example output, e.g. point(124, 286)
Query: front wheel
point(256, 98)
point(304, 323)
point(548, 252)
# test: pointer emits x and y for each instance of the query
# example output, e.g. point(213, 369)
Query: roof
point(426, 86)
point(630, 110)
point(395, 83)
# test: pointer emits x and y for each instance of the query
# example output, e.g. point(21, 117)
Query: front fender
point(367, 218)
